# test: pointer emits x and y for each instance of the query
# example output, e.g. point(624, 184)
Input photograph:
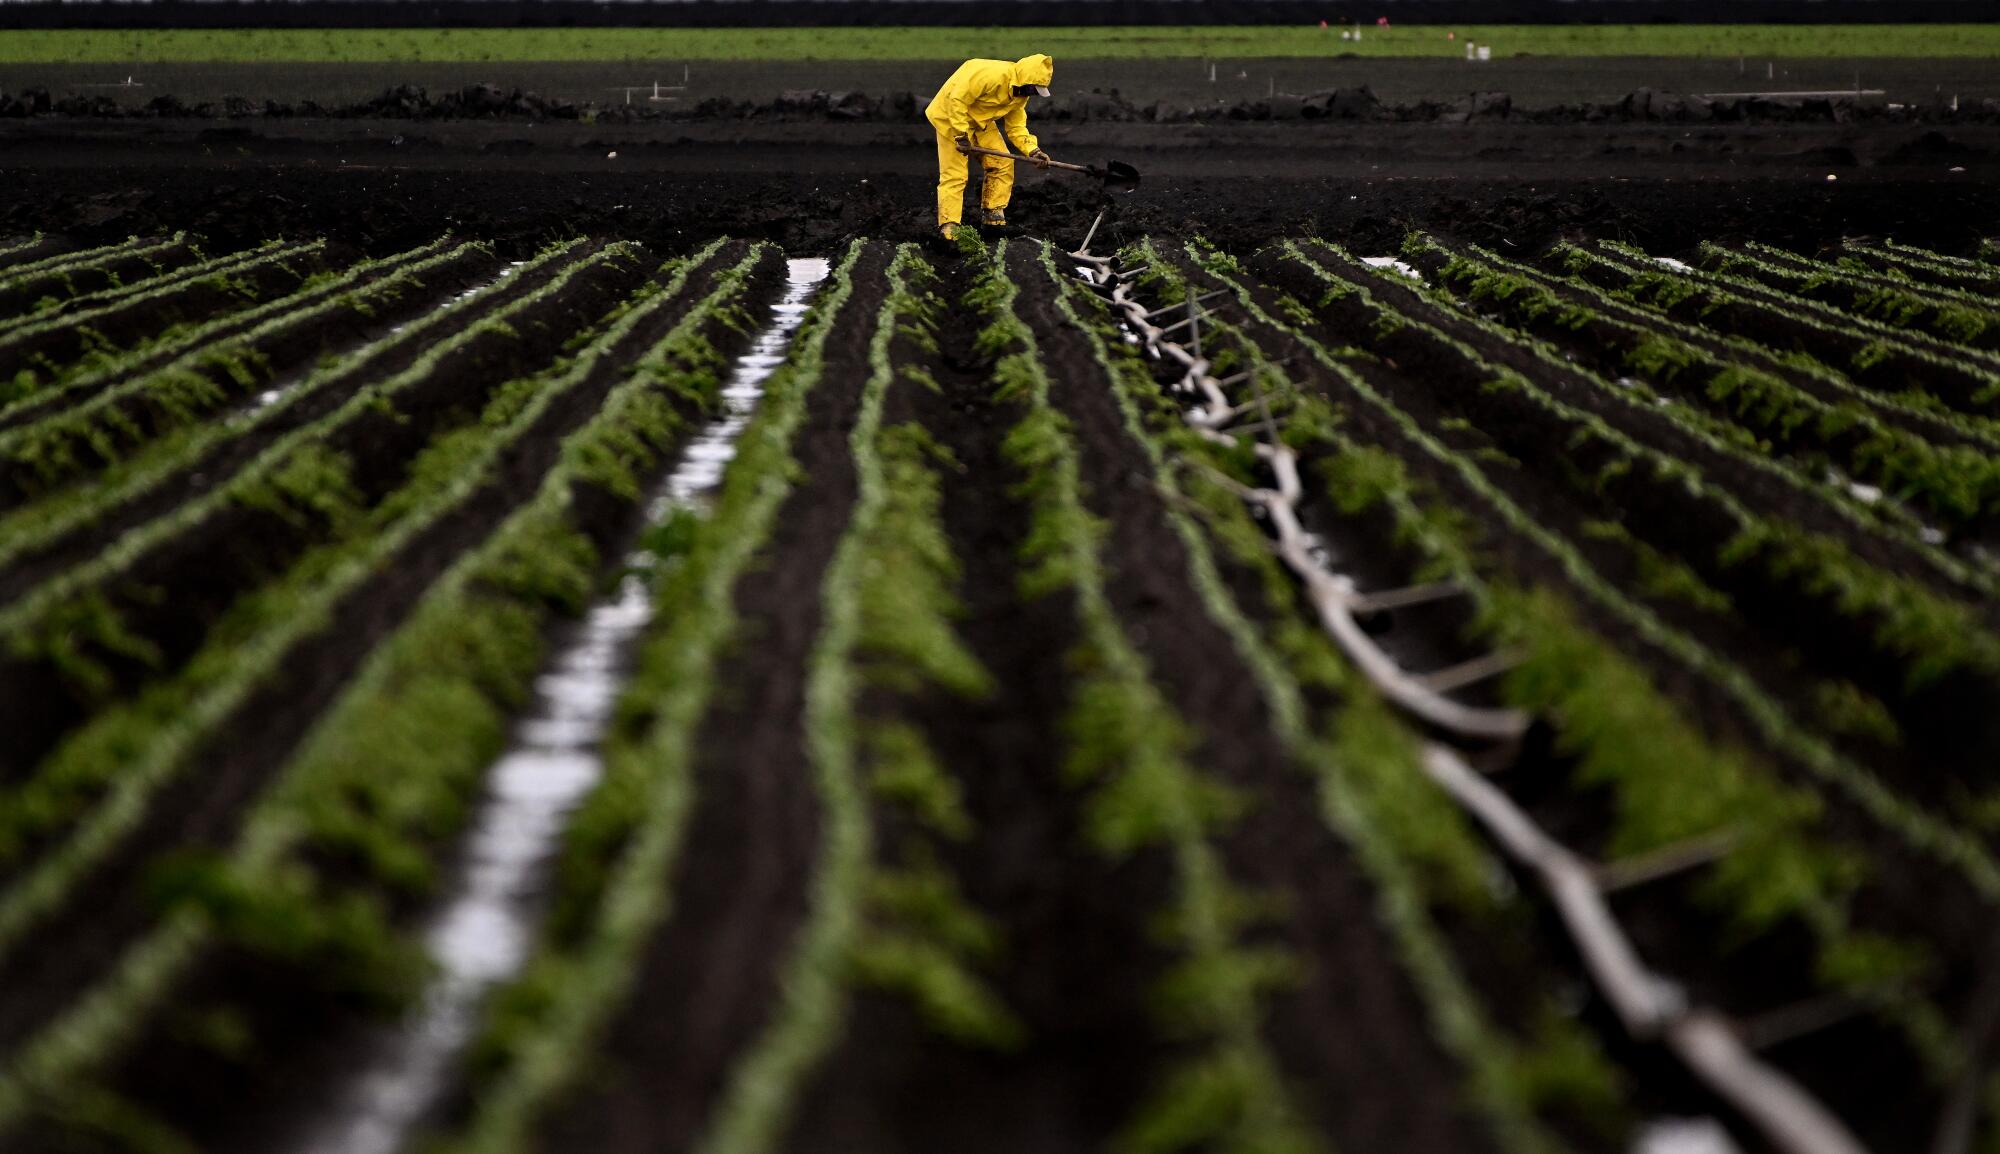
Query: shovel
point(1116, 175)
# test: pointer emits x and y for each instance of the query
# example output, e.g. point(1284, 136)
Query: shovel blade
point(1118, 176)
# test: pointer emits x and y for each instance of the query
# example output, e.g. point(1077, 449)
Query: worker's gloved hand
point(963, 144)
point(1040, 158)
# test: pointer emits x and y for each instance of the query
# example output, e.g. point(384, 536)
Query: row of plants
point(1922, 371)
point(1130, 753)
point(1917, 412)
point(30, 298)
point(1956, 484)
point(105, 428)
point(1849, 261)
point(19, 249)
point(50, 353)
point(1961, 318)
point(207, 447)
point(1663, 419)
point(1669, 781)
point(1909, 628)
point(883, 914)
point(1924, 266)
point(95, 787)
point(22, 285)
point(346, 841)
point(1428, 865)
point(1736, 409)
point(608, 894)
point(294, 454)
point(1773, 724)
point(107, 366)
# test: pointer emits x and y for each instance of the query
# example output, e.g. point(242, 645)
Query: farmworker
point(985, 103)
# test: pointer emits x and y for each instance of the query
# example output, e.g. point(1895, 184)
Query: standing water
point(482, 934)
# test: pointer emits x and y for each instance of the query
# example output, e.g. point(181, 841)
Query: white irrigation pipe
point(1334, 599)
point(1650, 1006)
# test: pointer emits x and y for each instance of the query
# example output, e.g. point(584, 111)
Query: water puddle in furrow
point(483, 934)
point(1393, 264)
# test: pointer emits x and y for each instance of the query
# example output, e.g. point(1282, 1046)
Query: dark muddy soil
point(203, 807)
point(1719, 969)
point(1533, 82)
point(709, 980)
point(1077, 959)
point(1356, 1082)
point(386, 185)
point(299, 1034)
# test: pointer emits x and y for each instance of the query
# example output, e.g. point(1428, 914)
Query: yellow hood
point(1038, 70)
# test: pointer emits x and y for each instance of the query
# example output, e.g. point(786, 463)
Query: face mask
point(1030, 90)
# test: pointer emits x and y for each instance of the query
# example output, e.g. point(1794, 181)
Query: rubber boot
point(996, 217)
point(948, 231)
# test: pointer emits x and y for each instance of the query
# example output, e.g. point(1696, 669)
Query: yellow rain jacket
point(978, 103)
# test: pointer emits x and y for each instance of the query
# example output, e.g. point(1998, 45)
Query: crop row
point(114, 740)
point(1483, 476)
point(319, 868)
point(46, 354)
point(34, 286)
point(1159, 702)
point(165, 440)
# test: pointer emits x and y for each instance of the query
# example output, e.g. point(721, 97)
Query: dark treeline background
point(794, 13)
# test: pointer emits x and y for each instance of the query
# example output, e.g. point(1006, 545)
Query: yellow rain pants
point(978, 103)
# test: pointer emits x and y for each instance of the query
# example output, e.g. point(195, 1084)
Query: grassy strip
point(33, 526)
point(1417, 848)
point(620, 845)
point(100, 779)
point(1128, 747)
point(1926, 633)
point(1151, 42)
point(1958, 484)
point(1668, 780)
point(95, 350)
point(388, 773)
point(113, 423)
point(910, 930)
point(1717, 433)
point(1917, 827)
point(1959, 318)
point(1893, 358)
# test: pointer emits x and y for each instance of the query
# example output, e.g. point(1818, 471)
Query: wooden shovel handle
point(1025, 159)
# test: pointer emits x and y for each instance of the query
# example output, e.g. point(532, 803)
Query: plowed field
point(1162, 696)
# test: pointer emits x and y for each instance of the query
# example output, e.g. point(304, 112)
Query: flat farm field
point(1145, 695)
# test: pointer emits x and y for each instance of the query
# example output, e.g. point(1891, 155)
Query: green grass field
point(584, 44)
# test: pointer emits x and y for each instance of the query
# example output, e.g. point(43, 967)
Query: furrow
point(468, 650)
point(1907, 366)
point(612, 901)
point(41, 358)
point(237, 682)
point(1584, 685)
point(46, 536)
point(19, 284)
